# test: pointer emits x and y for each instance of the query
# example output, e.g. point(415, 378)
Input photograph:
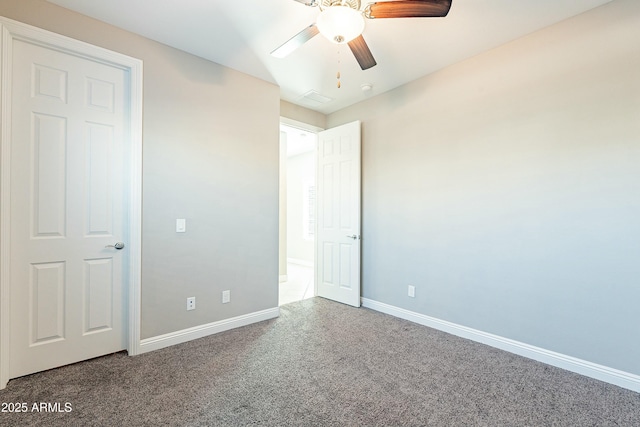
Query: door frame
point(13, 30)
point(313, 129)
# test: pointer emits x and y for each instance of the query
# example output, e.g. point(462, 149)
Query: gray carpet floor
point(321, 364)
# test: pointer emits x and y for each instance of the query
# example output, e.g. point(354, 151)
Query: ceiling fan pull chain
point(338, 73)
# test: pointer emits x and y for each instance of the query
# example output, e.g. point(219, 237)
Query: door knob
point(353, 236)
point(118, 246)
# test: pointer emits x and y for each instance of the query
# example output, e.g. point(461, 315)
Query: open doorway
point(298, 147)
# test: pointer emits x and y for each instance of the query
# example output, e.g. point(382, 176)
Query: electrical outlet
point(226, 296)
point(412, 291)
point(191, 303)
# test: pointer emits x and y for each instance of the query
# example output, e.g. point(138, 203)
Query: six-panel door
point(67, 205)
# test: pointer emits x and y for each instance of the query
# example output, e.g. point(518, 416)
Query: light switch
point(181, 225)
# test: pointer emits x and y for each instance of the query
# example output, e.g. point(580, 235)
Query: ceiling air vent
point(312, 95)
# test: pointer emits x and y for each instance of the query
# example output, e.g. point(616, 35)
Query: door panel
point(48, 175)
point(46, 309)
point(68, 203)
point(338, 234)
point(99, 176)
point(98, 292)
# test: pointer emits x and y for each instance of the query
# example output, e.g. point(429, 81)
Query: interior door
point(68, 208)
point(338, 208)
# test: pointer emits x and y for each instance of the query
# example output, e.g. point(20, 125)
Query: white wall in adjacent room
point(300, 175)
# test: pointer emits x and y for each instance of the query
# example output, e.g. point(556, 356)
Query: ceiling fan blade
point(296, 41)
point(362, 53)
point(408, 9)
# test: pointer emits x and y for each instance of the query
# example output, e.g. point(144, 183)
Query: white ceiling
point(240, 34)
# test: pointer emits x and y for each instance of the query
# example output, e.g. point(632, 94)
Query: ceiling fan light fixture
point(340, 24)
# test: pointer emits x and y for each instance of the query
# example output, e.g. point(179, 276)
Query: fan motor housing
point(353, 4)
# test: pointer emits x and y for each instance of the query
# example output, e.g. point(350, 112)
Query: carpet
point(319, 364)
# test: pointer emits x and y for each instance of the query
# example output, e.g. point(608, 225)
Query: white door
point(338, 228)
point(68, 204)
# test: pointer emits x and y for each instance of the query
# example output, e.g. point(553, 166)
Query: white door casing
point(70, 186)
point(339, 214)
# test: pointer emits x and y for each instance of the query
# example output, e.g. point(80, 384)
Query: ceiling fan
point(342, 21)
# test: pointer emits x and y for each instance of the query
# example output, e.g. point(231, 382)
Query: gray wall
point(210, 155)
point(506, 188)
point(302, 114)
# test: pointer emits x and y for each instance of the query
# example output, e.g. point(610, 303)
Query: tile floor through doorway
point(299, 284)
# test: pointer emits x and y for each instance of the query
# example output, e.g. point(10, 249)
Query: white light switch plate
point(181, 225)
point(411, 291)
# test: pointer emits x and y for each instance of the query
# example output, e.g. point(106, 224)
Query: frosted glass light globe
point(340, 24)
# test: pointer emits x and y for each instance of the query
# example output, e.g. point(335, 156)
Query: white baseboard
point(297, 261)
point(579, 366)
point(173, 338)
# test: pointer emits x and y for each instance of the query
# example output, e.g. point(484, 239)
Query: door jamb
point(315, 129)
point(12, 30)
